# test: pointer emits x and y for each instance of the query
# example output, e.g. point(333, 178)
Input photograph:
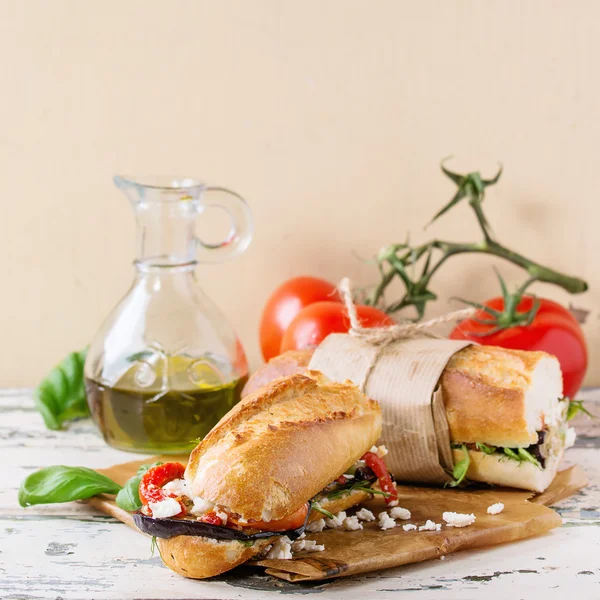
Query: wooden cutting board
point(370, 549)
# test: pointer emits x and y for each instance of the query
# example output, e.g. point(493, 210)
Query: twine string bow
point(380, 336)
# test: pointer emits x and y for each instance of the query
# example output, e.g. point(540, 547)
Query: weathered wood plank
point(72, 552)
point(108, 560)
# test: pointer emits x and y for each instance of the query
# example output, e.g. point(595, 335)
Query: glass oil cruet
point(165, 365)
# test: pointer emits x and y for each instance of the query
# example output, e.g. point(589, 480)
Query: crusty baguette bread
point(200, 557)
point(492, 395)
point(500, 397)
point(288, 363)
point(282, 445)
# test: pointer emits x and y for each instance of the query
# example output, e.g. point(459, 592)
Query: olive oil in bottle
point(165, 365)
point(166, 418)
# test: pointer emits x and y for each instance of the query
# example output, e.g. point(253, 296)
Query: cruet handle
point(240, 232)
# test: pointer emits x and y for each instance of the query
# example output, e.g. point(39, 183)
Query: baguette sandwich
point(291, 453)
point(504, 410)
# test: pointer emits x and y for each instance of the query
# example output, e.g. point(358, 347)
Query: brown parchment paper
point(402, 377)
point(371, 549)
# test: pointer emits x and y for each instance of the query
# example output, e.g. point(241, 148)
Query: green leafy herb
point(370, 490)
point(575, 407)
point(460, 468)
point(318, 508)
point(363, 486)
point(512, 454)
point(60, 397)
point(153, 545)
point(64, 484)
point(128, 498)
point(247, 543)
point(526, 456)
point(484, 448)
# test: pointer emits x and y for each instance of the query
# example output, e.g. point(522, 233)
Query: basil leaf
point(526, 456)
point(128, 498)
point(60, 396)
point(485, 448)
point(460, 468)
point(64, 484)
point(512, 454)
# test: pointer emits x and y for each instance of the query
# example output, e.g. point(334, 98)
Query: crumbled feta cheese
point(336, 521)
point(348, 476)
point(385, 521)
point(409, 527)
point(381, 451)
point(352, 523)
point(201, 506)
point(400, 513)
point(312, 546)
point(306, 546)
point(165, 508)
point(393, 503)
point(430, 526)
point(454, 519)
point(442, 557)
point(364, 514)
point(495, 509)
point(179, 487)
point(281, 548)
point(315, 526)
point(570, 436)
point(222, 516)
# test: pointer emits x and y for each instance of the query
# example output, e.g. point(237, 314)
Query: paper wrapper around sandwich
point(403, 377)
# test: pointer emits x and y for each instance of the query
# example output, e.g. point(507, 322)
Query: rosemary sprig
point(394, 260)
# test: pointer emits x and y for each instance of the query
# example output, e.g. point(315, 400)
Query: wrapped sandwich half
point(296, 450)
point(504, 408)
point(507, 421)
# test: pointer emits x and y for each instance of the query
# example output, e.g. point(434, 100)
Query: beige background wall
point(329, 116)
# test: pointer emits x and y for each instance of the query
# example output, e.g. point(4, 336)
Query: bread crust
point(501, 470)
point(200, 557)
point(282, 445)
point(292, 362)
point(484, 390)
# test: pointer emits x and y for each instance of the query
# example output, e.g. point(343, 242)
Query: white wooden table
point(70, 551)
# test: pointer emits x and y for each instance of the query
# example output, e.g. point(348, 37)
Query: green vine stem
point(393, 260)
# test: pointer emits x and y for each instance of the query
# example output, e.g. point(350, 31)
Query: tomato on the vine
point(285, 303)
point(552, 329)
point(316, 321)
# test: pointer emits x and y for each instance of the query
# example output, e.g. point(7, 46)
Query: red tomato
point(554, 330)
point(293, 521)
point(151, 484)
point(376, 464)
point(285, 303)
point(315, 322)
point(211, 518)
